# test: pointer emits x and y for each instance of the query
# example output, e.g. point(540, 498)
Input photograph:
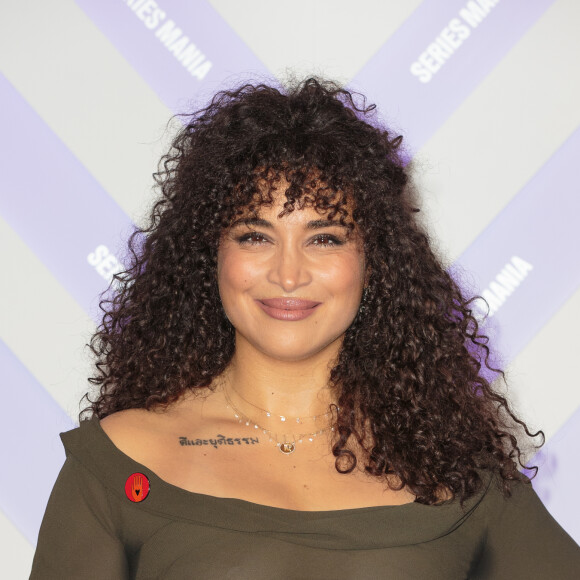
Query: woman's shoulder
point(508, 503)
point(134, 427)
point(144, 436)
point(128, 429)
point(130, 433)
point(100, 436)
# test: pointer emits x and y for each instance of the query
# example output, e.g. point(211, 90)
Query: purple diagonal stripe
point(55, 205)
point(538, 226)
point(559, 473)
point(31, 453)
point(201, 57)
point(449, 53)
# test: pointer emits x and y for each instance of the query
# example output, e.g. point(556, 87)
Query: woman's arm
point(77, 536)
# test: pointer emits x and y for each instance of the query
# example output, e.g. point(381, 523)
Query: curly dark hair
point(409, 378)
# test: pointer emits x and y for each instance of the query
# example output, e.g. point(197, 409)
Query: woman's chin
point(294, 350)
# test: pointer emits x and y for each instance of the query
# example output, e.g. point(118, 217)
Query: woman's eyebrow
point(311, 225)
point(249, 221)
point(317, 224)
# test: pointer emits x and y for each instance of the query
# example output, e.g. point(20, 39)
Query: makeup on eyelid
point(246, 239)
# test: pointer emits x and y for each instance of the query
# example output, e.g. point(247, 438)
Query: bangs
point(302, 187)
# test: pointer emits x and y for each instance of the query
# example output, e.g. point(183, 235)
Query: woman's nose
point(289, 268)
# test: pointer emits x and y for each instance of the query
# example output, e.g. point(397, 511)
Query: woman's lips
point(288, 308)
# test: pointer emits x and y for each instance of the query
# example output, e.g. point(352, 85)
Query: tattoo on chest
point(219, 440)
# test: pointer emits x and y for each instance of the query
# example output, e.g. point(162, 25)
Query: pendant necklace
point(286, 443)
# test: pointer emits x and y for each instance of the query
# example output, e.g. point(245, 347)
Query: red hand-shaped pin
point(137, 487)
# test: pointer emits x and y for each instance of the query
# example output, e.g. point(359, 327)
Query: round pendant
point(287, 448)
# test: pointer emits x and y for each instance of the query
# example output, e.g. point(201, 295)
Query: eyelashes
point(256, 239)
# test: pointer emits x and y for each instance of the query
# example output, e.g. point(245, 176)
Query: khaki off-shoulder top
point(91, 530)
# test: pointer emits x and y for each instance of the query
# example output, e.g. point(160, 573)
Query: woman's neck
point(282, 388)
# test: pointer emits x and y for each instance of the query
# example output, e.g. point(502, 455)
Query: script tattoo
point(219, 440)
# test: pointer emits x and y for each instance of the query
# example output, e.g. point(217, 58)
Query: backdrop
point(485, 92)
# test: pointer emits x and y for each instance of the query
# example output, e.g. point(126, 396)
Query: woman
point(290, 384)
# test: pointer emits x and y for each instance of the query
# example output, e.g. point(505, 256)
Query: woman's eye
point(252, 238)
point(327, 240)
point(255, 238)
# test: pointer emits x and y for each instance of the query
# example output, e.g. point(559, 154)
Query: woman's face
point(298, 256)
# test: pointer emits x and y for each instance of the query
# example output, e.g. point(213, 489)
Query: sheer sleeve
point(77, 535)
point(525, 541)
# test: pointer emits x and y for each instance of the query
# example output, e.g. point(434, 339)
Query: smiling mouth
point(289, 303)
point(288, 310)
